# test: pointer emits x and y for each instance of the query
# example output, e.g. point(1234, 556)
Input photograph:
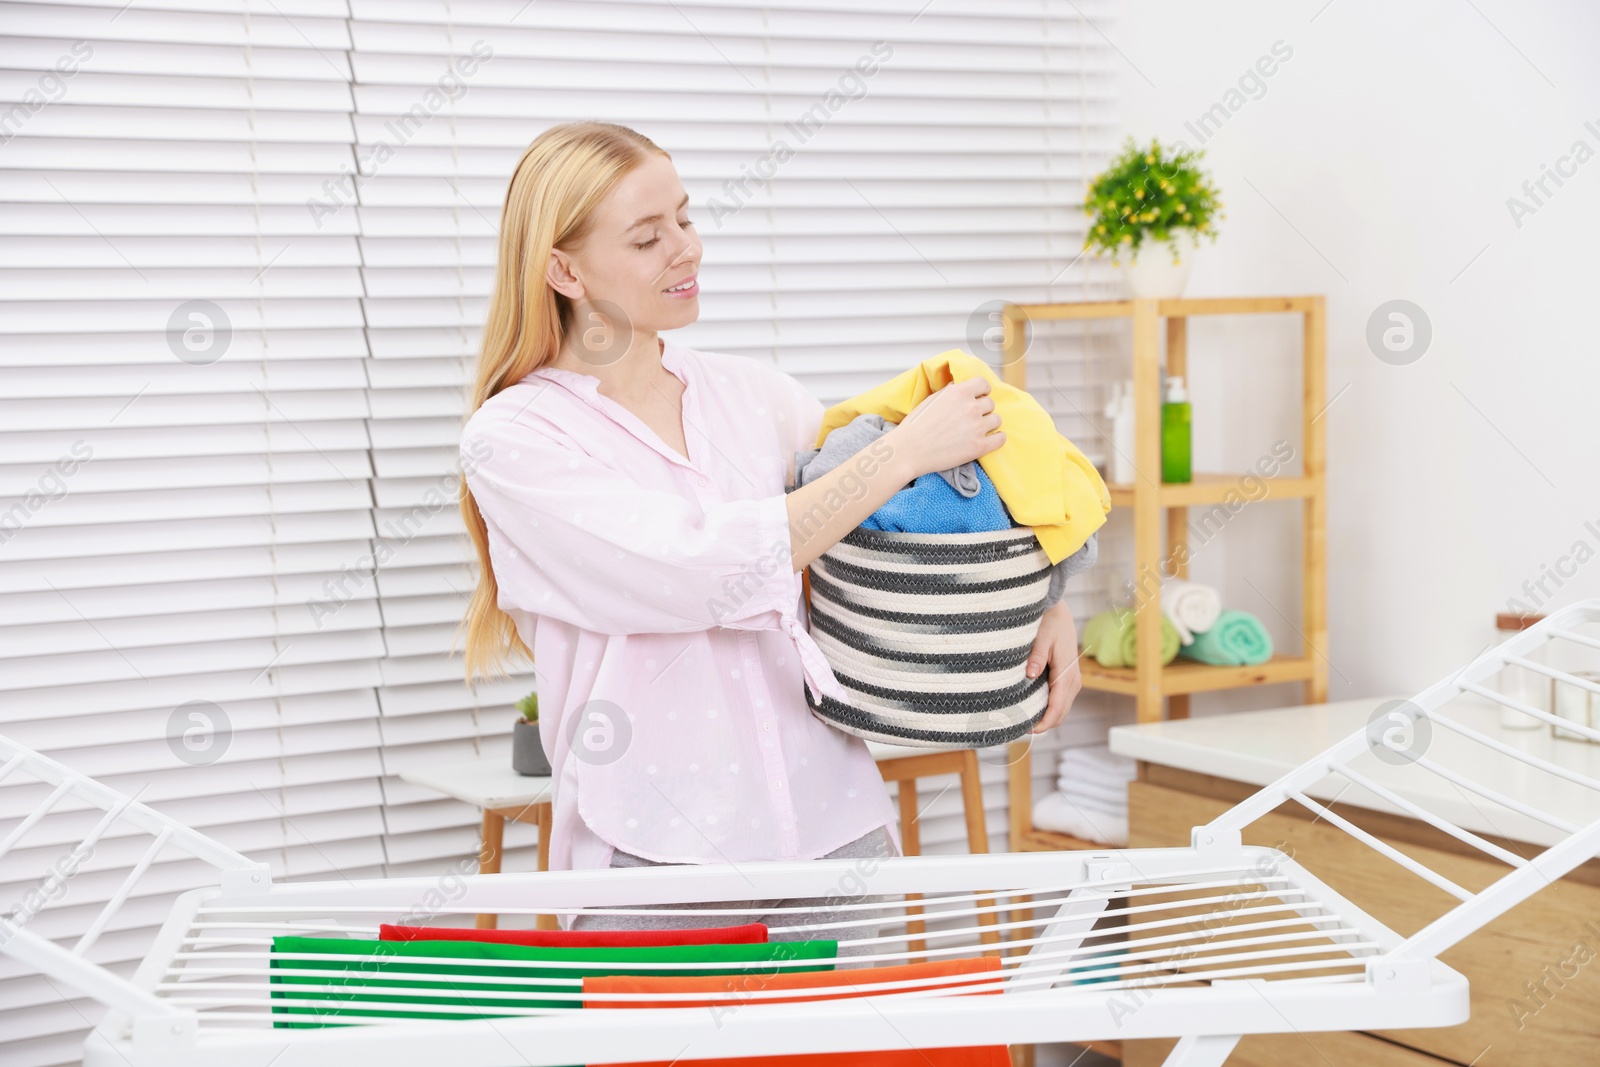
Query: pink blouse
point(667, 625)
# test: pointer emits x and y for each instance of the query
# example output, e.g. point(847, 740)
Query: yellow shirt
point(1043, 479)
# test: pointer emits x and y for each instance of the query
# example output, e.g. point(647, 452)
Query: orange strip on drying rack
point(849, 983)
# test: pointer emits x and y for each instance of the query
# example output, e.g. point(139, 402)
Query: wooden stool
point(905, 764)
point(505, 796)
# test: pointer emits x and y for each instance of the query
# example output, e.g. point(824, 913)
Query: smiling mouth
point(682, 286)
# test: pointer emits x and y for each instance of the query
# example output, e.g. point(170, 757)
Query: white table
point(504, 795)
point(1257, 747)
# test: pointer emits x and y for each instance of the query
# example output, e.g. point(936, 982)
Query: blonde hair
point(564, 174)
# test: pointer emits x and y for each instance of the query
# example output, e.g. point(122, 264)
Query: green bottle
point(1175, 432)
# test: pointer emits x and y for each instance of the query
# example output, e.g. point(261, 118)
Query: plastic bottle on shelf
point(1175, 435)
point(1119, 409)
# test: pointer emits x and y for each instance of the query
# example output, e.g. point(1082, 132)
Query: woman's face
point(641, 245)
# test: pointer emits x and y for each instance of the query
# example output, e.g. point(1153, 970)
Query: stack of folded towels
point(1090, 800)
point(1193, 625)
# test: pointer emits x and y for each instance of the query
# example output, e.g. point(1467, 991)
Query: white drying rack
point(1204, 943)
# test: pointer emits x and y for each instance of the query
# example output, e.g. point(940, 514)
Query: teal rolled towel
point(1236, 639)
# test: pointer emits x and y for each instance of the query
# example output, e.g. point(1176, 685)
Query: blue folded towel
point(931, 505)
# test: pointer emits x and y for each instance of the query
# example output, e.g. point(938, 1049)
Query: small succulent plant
point(529, 706)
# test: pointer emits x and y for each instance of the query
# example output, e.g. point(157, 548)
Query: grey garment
point(1076, 563)
point(858, 433)
point(873, 844)
point(861, 431)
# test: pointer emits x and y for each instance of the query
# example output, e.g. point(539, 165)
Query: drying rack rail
point(1204, 943)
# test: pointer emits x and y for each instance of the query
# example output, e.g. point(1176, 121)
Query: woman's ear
point(560, 276)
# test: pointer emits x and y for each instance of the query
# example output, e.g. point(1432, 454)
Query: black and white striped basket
point(929, 634)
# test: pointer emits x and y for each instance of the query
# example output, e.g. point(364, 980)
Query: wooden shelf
point(1183, 676)
point(1215, 489)
point(1180, 308)
point(1162, 508)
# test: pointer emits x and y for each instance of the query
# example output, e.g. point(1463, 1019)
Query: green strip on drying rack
point(378, 957)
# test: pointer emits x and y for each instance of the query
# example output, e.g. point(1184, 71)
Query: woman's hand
point(1056, 647)
point(955, 425)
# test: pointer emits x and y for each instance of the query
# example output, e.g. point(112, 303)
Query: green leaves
point(529, 706)
point(1149, 193)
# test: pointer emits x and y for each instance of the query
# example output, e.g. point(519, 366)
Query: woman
point(626, 498)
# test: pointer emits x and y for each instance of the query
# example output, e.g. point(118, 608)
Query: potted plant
point(1148, 210)
point(527, 751)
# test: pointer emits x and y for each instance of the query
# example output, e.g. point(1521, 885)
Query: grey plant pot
point(527, 751)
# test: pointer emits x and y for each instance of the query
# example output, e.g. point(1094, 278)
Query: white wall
point(1376, 165)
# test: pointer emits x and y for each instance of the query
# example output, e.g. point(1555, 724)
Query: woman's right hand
point(950, 427)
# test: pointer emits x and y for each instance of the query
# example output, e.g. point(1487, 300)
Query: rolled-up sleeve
point(574, 539)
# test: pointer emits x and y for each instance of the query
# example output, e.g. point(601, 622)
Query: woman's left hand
point(1056, 647)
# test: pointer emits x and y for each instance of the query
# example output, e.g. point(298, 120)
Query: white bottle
point(1120, 411)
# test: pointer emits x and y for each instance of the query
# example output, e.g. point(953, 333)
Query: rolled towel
point(1055, 812)
point(1192, 607)
point(1111, 637)
point(1238, 639)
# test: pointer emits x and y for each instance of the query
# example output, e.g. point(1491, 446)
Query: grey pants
point(849, 890)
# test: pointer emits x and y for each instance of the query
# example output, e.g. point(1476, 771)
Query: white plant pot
point(1152, 275)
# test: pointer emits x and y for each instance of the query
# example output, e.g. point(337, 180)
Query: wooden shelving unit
point(1162, 692)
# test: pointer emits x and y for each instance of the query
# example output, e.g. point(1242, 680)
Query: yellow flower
point(1139, 193)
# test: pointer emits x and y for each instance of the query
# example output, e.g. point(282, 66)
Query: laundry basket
point(929, 635)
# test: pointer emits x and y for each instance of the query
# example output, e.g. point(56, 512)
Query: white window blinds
point(246, 249)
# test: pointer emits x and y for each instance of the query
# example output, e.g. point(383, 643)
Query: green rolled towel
point(1112, 638)
point(1236, 639)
